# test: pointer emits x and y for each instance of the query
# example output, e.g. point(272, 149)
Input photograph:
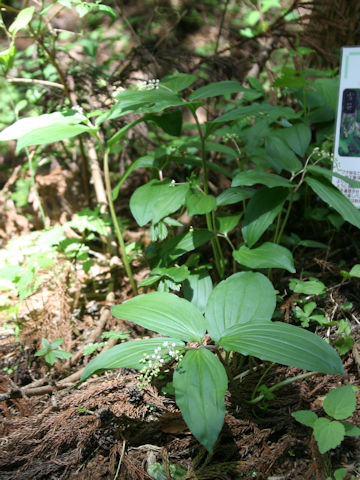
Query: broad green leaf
point(144, 101)
point(170, 122)
point(156, 200)
point(268, 255)
point(164, 313)
point(340, 403)
point(197, 289)
point(146, 161)
point(328, 88)
point(233, 195)
point(22, 20)
point(313, 286)
point(330, 173)
point(179, 81)
point(158, 231)
point(297, 137)
point(267, 4)
point(50, 134)
point(88, 220)
point(177, 246)
point(328, 434)
point(271, 111)
point(225, 222)
point(7, 57)
point(200, 383)
point(62, 354)
point(355, 271)
point(24, 126)
point(283, 343)
point(157, 471)
point(333, 197)
point(323, 114)
point(108, 11)
point(216, 89)
point(241, 298)
point(198, 203)
point(45, 343)
point(261, 211)
point(126, 355)
point(50, 358)
point(10, 272)
point(224, 149)
point(306, 417)
point(280, 155)
point(351, 430)
point(340, 474)
point(57, 342)
point(252, 177)
point(178, 274)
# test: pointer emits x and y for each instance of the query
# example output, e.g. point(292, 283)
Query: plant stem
point(261, 379)
point(124, 256)
point(282, 384)
point(210, 216)
point(284, 222)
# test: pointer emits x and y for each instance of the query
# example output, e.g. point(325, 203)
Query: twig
point(120, 461)
point(221, 26)
point(105, 316)
point(46, 83)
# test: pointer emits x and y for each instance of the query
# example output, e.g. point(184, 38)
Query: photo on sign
point(349, 145)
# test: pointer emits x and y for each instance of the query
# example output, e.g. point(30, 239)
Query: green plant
point(339, 404)
point(160, 472)
point(340, 474)
point(51, 352)
point(240, 323)
point(10, 370)
point(93, 347)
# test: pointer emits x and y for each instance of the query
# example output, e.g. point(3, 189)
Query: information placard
point(347, 137)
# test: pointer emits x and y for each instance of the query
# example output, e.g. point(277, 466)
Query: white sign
point(347, 137)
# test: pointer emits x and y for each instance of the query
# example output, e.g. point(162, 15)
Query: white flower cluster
point(324, 154)
point(150, 84)
point(230, 136)
point(153, 362)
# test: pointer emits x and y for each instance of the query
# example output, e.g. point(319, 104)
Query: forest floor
point(105, 428)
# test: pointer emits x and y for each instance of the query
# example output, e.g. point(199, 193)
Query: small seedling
point(10, 370)
point(51, 352)
point(158, 471)
point(339, 404)
point(340, 474)
point(306, 315)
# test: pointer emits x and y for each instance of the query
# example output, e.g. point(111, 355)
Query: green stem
point(210, 216)
point(120, 238)
point(282, 384)
point(284, 222)
point(261, 379)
